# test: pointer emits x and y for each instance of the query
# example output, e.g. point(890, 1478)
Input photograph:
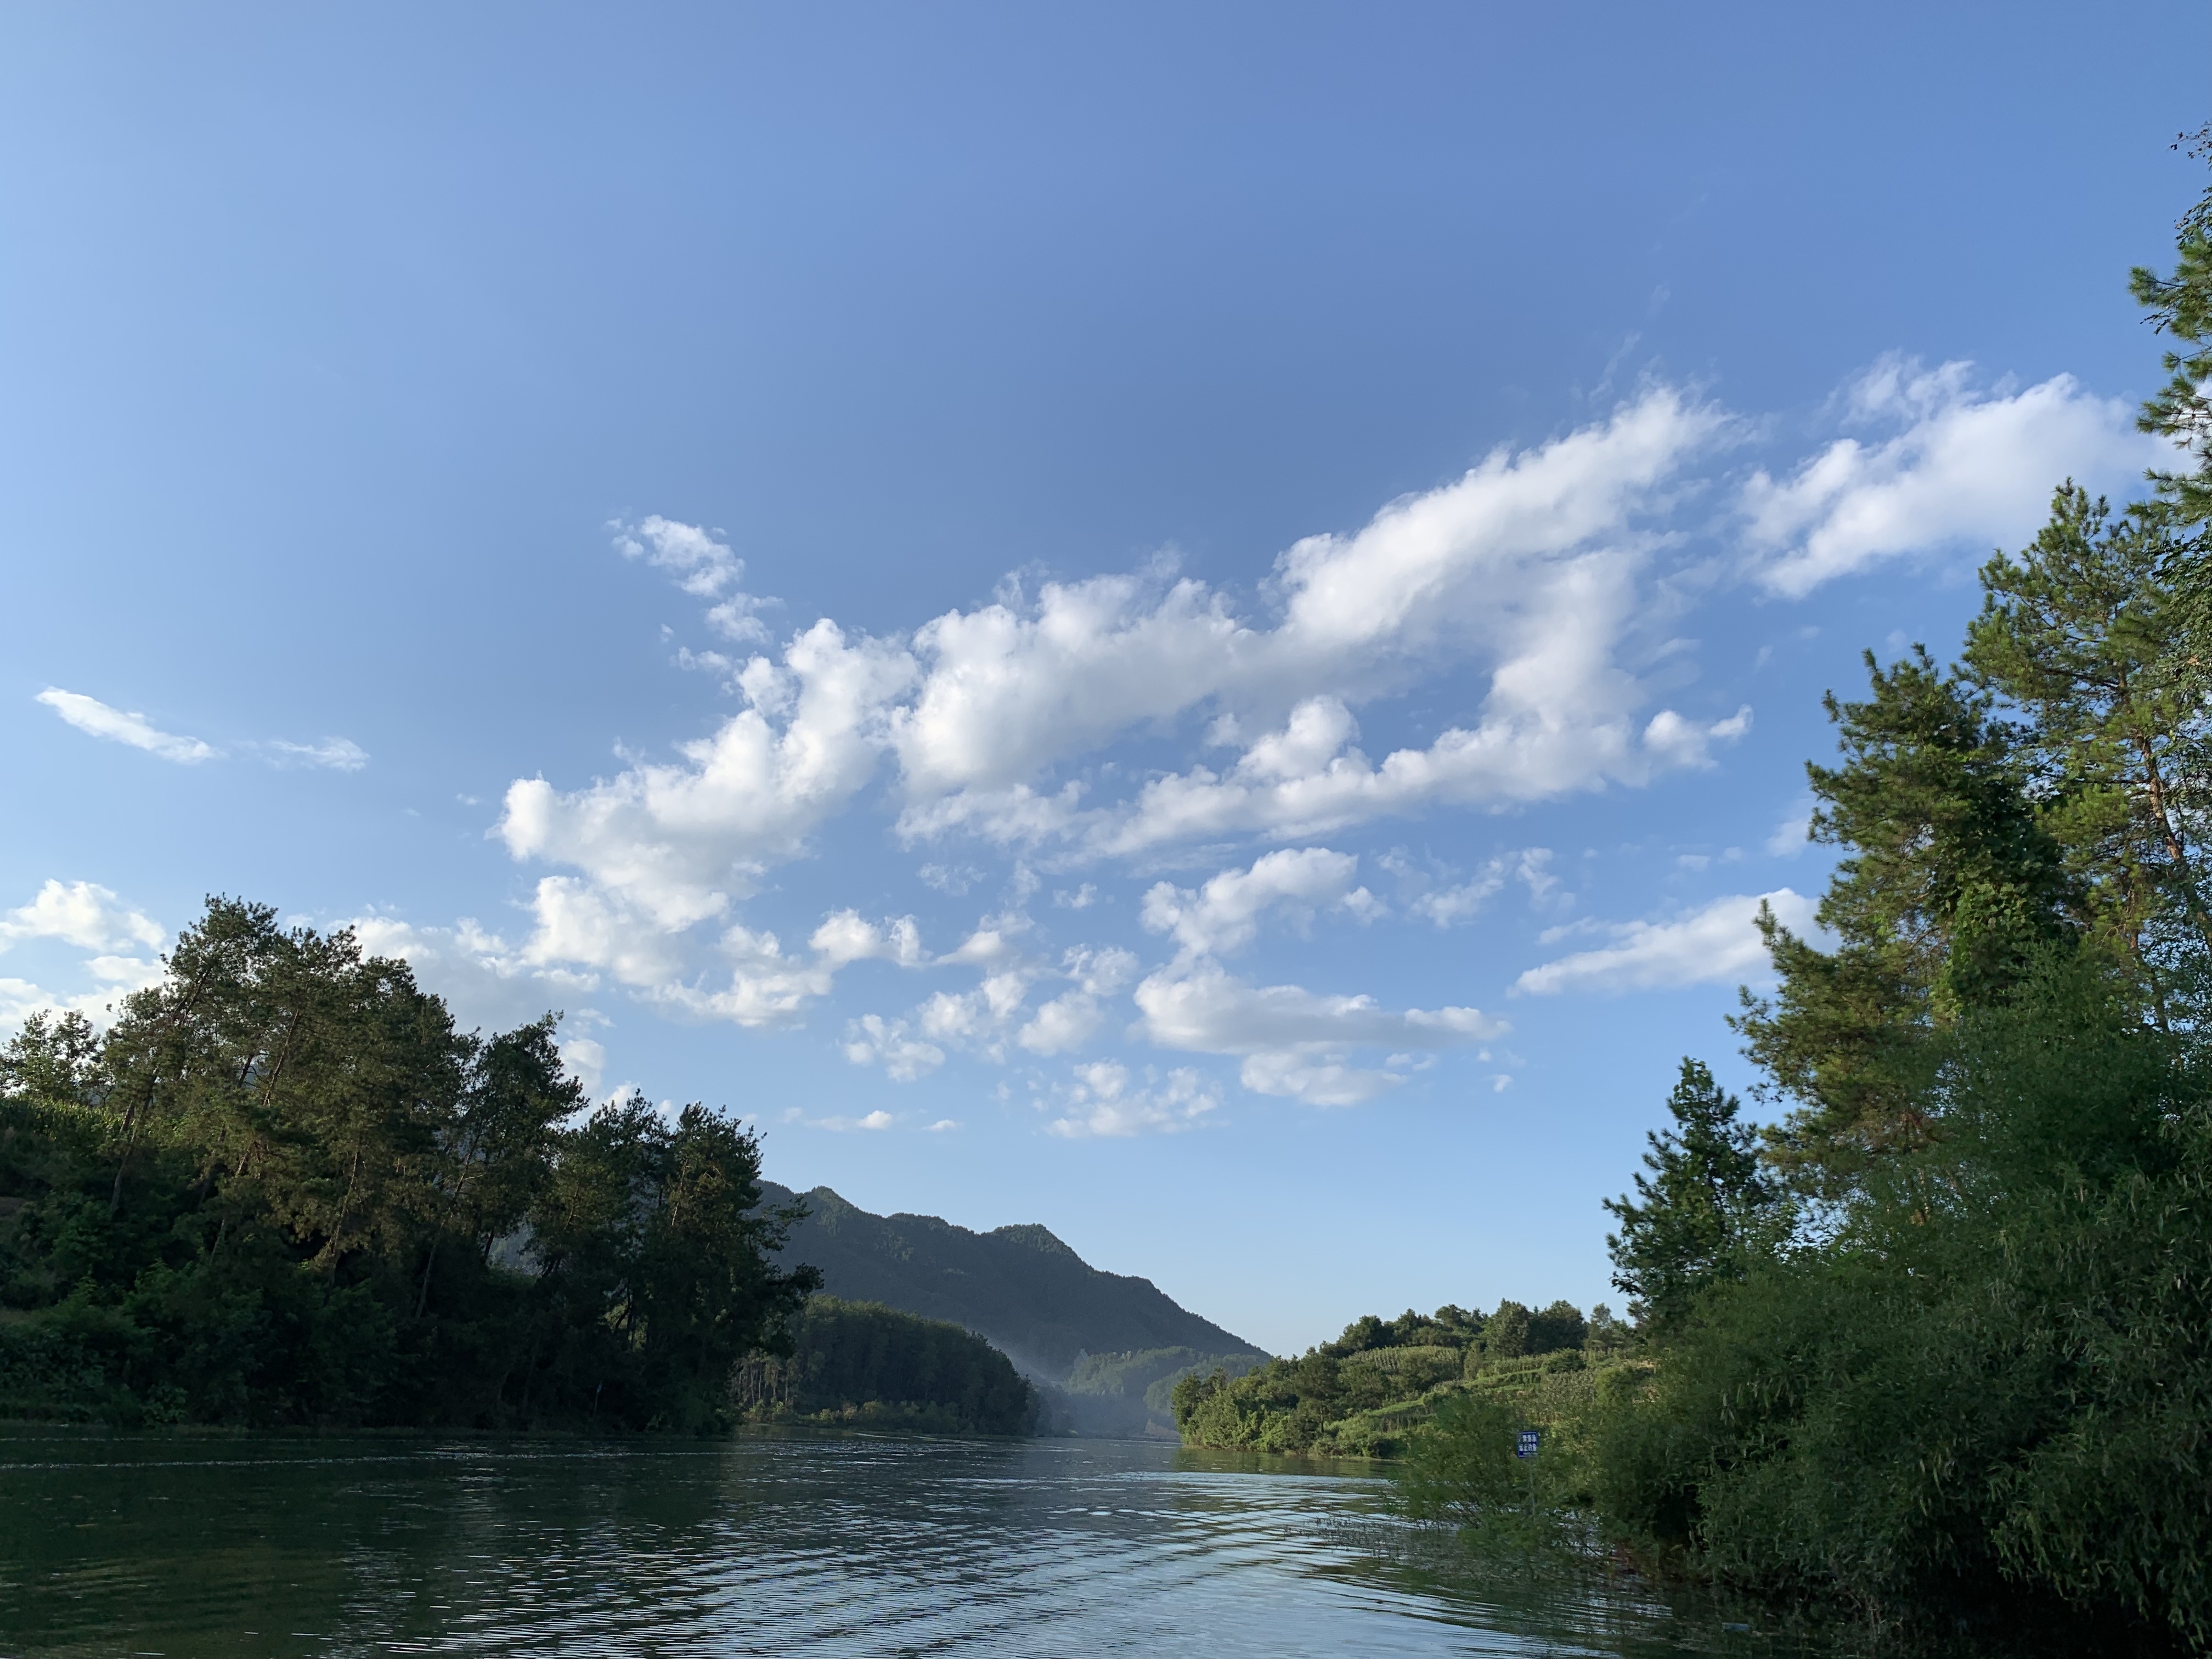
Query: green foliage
point(1703, 1212)
point(2180, 306)
point(1949, 886)
point(283, 1189)
point(1363, 1394)
point(2086, 638)
point(1989, 1384)
point(862, 1363)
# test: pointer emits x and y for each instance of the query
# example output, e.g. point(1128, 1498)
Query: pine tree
point(1699, 1214)
point(1950, 889)
point(2084, 637)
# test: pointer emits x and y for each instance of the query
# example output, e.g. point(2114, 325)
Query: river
point(788, 1546)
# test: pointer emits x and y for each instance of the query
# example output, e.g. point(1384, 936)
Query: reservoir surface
point(800, 1547)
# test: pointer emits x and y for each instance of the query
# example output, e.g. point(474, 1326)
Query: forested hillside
point(863, 1364)
point(1020, 1288)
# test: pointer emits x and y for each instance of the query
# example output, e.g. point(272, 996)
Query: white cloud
point(1073, 1018)
point(483, 979)
point(1557, 721)
point(872, 1040)
point(1540, 570)
point(337, 754)
point(1063, 1024)
point(119, 726)
point(87, 917)
point(1293, 1041)
point(584, 939)
point(844, 937)
point(1961, 466)
point(1793, 835)
point(877, 1120)
point(702, 567)
point(1529, 559)
point(978, 1020)
point(678, 840)
point(1101, 1102)
point(1223, 915)
point(91, 715)
point(1716, 944)
point(82, 914)
point(1448, 907)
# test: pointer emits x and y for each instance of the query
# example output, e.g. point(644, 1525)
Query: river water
point(791, 1546)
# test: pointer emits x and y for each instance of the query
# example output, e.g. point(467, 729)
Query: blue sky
point(1198, 624)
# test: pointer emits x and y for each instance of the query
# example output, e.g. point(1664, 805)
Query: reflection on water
point(791, 1547)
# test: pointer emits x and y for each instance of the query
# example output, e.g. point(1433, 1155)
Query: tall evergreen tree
point(1949, 888)
point(1698, 1214)
point(2084, 638)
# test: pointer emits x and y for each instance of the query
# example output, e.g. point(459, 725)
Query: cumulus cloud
point(1531, 560)
point(584, 943)
point(996, 1012)
point(89, 714)
point(1071, 1019)
point(978, 1020)
point(87, 917)
point(1294, 1041)
point(1223, 915)
point(1106, 1100)
point(1539, 570)
point(1957, 466)
point(82, 914)
point(1714, 945)
point(872, 1040)
point(678, 840)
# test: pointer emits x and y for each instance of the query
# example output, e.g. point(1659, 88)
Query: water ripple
point(794, 1547)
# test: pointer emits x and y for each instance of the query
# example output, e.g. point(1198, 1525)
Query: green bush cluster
point(862, 1363)
point(1360, 1396)
point(283, 1189)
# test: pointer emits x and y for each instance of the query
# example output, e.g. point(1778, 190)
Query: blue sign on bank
point(1528, 1446)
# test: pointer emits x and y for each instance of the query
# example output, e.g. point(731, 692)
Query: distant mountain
point(1018, 1288)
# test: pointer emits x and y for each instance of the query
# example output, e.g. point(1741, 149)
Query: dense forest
point(1933, 1343)
point(860, 1363)
point(284, 1190)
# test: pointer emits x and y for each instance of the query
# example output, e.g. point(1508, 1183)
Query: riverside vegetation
point(1365, 1394)
point(1932, 1347)
point(283, 1189)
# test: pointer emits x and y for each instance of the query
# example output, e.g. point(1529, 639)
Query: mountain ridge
point(1020, 1287)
